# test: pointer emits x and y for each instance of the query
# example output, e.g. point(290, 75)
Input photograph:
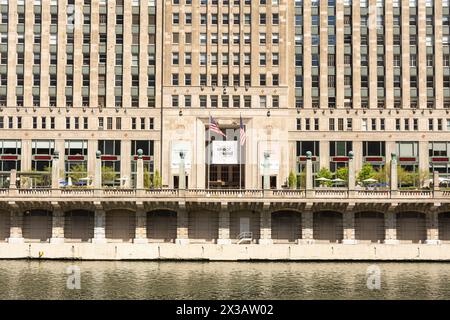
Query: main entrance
point(225, 159)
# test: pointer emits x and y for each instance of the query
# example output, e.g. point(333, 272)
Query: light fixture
point(268, 113)
point(180, 113)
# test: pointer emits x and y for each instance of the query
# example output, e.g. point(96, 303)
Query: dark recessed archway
point(411, 227)
point(162, 225)
point(286, 226)
point(78, 225)
point(328, 226)
point(369, 226)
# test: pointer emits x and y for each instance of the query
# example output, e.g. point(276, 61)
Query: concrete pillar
point(141, 226)
point(182, 226)
point(140, 171)
point(309, 171)
point(16, 235)
point(265, 227)
point(125, 164)
point(266, 178)
point(351, 172)
point(98, 171)
point(57, 226)
point(55, 170)
point(224, 226)
point(182, 172)
point(349, 228)
point(390, 228)
point(394, 175)
point(307, 227)
point(99, 226)
point(432, 228)
point(436, 181)
point(13, 179)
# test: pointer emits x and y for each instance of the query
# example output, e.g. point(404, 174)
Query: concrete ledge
point(16, 240)
point(223, 241)
point(56, 240)
point(231, 252)
point(181, 241)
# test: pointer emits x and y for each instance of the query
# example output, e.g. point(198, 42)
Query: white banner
point(272, 149)
point(177, 147)
point(224, 152)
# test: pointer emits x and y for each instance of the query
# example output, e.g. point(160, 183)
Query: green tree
point(292, 180)
point(148, 179)
point(301, 180)
point(157, 181)
point(108, 175)
point(77, 172)
point(367, 172)
point(324, 173)
point(342, 173)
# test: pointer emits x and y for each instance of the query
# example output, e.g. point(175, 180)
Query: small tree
point(157, 181)
point(148, 183)
point(292, 180)
point(108, 175)
point(301, 180)
point(342, 173)
point(324, 173)
point(366, 172)
point(77, 172)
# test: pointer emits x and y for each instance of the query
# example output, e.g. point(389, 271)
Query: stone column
point(351, 173)
point(99, 226)
point(432, 228)
point(141, 226)
point(13, 179)
point(16, 235)
point(394, 175)
point(309, 175)
point(266, 178)
point(349, 228)
point(55, 170)
point(224, 226)
point(140, 171)
point(98, 171)
point(182, 172)
point(307, 227)
point(436, 181)
point(57, 226)
point(390, 228)
point(182, 226)
point(265, 233)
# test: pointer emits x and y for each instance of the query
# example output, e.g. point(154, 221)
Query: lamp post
point(181, 172)
point(266, 165)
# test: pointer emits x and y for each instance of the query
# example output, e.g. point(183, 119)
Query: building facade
point(370, 77)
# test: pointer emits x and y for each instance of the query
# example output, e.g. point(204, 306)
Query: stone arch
point(203, 226)
point(444, 226)
point(411, 226)
point(286, 226)
point(369, 226)
point(120, 225)
point(162, 225)
point(328, 226)
point(78, 225)
point(37, 225)
point(240, 219)
point(5, 224)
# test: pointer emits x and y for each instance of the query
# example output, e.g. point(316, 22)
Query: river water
point(21, 279)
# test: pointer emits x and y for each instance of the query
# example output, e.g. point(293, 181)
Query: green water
point(22, 279)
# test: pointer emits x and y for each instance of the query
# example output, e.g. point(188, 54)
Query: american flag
point(214, 126)
point(242, 131)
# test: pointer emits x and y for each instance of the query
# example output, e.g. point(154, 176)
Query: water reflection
point(222, 280)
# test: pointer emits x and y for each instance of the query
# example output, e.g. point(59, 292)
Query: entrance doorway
point(176, 182)
point(222, 176)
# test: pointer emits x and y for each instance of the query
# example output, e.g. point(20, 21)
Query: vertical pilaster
point(349, 227)
point(390, 227)
point(432, 222)
point(99, 226)
point(307, 226)
point(141, 226)
point(125, 163)
point(265, 226)
point(15, 233)
point(57, 226)
point(182, 226)
point(224, 225)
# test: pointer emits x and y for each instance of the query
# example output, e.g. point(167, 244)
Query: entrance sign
point(224, 152)
point(272, 149)
point(177, 147)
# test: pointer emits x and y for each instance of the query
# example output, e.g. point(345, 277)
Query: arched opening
point(5, 223)
point(286, 226)
point(242, 222)
point(120, 225)
point(369, 226)
point(37, 225)
point(162, 226)
point(203, 226)
point(411, 227)
point(328, 226)
point(78, 226)
point(444, 226)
